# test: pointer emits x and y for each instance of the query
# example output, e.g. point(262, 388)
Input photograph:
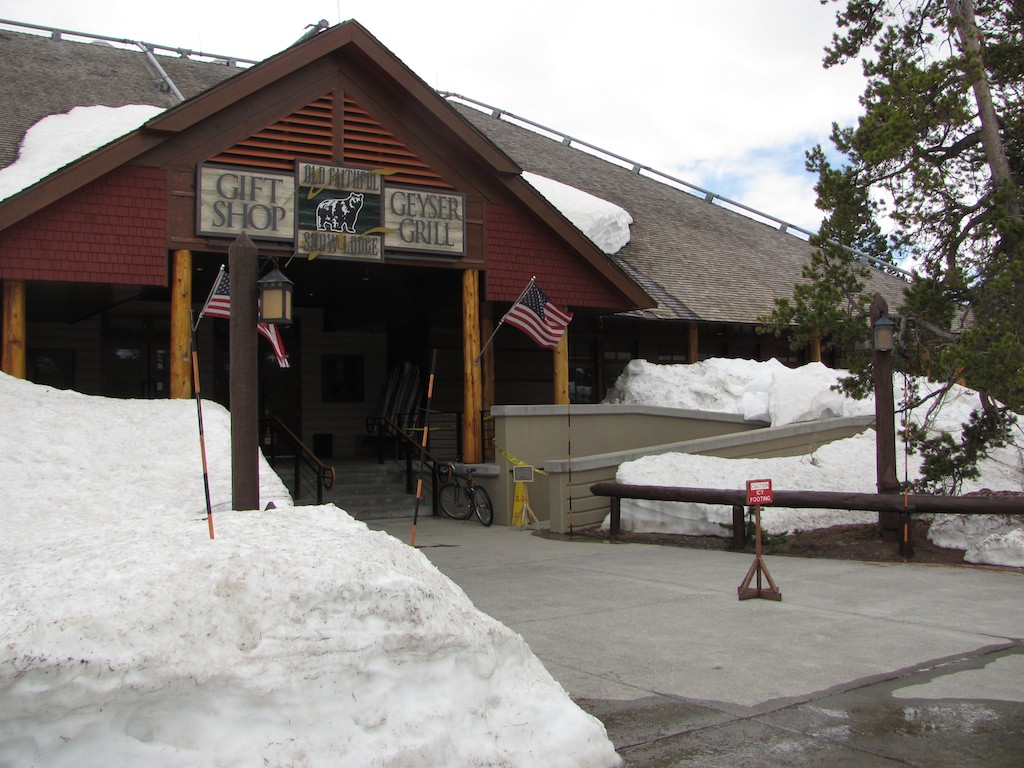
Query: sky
point(726, 95)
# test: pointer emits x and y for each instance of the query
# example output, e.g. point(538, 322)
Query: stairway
point(371, 491)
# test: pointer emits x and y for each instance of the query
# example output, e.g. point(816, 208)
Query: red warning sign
point(759, 492)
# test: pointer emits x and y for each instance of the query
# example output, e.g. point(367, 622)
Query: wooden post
point(472, 394)
point(693, 352)
point(181, 325)
point(885, 427)
point(758, 569)
point(561, 375)
point(487, 360)
point(243, 382)
point(12, 360)
point(814, 348)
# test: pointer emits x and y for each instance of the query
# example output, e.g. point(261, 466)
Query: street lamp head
point(884, 332)
point(275, 297)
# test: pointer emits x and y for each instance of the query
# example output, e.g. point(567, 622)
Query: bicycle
point(461, 497)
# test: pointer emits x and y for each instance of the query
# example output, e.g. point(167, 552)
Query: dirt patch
point(840, 542)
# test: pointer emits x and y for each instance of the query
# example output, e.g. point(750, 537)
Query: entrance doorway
point(136, 357)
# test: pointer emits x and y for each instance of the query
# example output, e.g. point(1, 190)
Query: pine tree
point(938, 156)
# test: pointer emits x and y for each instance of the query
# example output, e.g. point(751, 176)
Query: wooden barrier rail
point(896, 503)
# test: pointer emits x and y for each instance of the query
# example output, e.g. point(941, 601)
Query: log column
point(814, 348)
point(471, 380)
point(181, 325)
point(12, 359)
point(693, 347)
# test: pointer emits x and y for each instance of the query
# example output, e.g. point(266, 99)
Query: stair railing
point(281, 445)
point(409, 443)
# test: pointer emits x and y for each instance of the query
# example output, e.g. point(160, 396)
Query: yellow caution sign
point(522, 515)
point(518, 503)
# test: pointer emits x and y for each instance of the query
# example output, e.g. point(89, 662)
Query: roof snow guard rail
point(635, 167)
point(57, 34)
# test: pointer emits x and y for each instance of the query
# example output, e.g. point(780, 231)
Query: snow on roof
point(605, 223)
point(57, 140)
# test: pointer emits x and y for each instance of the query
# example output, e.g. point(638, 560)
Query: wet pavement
point(859, 664)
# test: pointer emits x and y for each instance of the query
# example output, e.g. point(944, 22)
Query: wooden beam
point(244, 375)
point(561, 377)
point(487, 361)
point(12, 359)
point(181, 326)
point(693, 351)
point(869, 502)
point(472, 450)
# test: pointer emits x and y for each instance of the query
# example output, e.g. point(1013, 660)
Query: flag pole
point(498, 326)
point(199, 410)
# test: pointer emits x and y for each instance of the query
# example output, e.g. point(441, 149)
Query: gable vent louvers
point(306, 134)
point(368, 143)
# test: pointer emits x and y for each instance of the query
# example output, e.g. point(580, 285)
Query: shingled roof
point(46, 76)
point(700, 261)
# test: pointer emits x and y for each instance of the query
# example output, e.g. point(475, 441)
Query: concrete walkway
point(859, 665)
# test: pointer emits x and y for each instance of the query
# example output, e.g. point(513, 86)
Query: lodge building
point(400, 214)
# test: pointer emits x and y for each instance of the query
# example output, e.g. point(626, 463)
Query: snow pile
point(606, 224)
point(295, 637)
point(778, 395)
point(57, 140)
point(768, 392)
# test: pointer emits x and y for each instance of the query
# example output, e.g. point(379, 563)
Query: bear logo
point(339, 215)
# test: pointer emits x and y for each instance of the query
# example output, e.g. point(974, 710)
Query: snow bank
point(296, 637)
point(768, 391)
point(779, 395)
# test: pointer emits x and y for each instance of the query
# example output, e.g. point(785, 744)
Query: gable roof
point(698, 260)
point(687, 259)
point(348, 44)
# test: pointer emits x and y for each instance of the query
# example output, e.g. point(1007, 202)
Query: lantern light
point(275, 297)
point(884, 332)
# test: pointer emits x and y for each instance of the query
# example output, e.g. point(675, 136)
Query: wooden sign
point(337, 212)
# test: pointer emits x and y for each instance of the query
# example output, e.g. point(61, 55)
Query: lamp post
point(882, 331)
point(243, 379)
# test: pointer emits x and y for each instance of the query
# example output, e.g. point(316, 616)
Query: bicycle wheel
point(455, 501)
point(483, 506)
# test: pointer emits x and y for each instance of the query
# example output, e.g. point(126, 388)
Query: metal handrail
point(323, 474)
point(413, 446)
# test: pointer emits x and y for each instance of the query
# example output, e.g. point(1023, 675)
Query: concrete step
point(376, 491)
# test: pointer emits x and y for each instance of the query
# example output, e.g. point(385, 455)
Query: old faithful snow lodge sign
point(330, 211)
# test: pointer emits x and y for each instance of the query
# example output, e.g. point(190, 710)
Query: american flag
point(538, 318)
point(218, 304)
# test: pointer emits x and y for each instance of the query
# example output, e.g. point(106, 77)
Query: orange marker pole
point(423, 447)
point(202, 439)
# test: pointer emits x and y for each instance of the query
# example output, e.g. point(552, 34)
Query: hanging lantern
point(275, 297)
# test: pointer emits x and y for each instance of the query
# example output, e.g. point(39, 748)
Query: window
point(342, 378)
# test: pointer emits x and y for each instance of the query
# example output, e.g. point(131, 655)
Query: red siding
point(113, 230)
point(519, 247)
